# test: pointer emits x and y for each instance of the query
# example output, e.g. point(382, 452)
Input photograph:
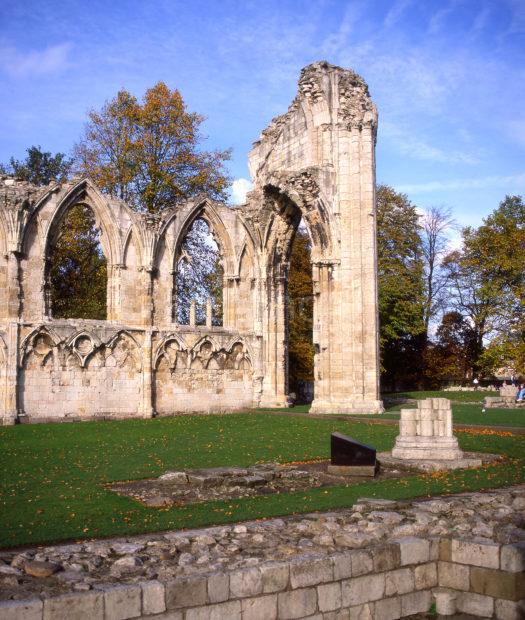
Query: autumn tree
point(148, 153)
point(300, 313)
point(451, 356)
point(401, 288)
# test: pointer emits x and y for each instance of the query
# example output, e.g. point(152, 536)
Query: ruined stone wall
point(316, 162)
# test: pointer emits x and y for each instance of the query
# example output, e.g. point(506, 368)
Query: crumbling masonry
point(315, 162)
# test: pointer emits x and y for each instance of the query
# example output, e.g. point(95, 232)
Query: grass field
point(472, 414)
point(53, 475)
point(461, 397)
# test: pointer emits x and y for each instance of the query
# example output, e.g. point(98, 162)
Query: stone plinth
point(425, 433)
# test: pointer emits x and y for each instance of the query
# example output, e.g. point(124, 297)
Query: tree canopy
point(148, 153)
point(40, 167)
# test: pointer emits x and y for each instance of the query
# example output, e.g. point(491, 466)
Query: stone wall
point(385, 582)
point(316, 162)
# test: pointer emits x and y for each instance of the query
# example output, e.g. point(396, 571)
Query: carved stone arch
point(86, 193)
point(125, 350)
point(205, 339)
point(162, 349)
point(246, 345)
point(131, 237)
point(205, 209)
point(246, 250)
point(40, 342)
point(83, 345)
point(3, 235)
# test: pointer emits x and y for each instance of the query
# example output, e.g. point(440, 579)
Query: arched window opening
point(77, 268)
point(199, 277)
point(300, 318)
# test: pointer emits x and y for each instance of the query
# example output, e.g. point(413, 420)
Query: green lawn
point(462, 397)
point(472, 414)
point(53, 475)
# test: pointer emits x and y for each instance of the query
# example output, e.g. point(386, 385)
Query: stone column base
point(274, 403)
point(347, 407)
point(441, 448)
point(8, 419)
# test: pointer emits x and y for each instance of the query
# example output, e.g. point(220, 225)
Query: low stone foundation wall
point(396, 577)
point(386, 582)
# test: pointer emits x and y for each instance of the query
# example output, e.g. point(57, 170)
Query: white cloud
point(240, 187)
point(34, 63)
point(395, 13)
point(404, 143)
point(516, 180)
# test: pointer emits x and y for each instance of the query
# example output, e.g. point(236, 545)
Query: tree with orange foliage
point(148, 153)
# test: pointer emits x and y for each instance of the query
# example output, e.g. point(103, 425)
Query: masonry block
point(497, 583)
point(275, 576)
point(362, 563)
point(513, 557)
point(509, 610)
point(153, 597)
point(230, 610)
point(359, 590)
point(218, 587)
point(399, 581)
point(413, 550)
point(329, 596)
point(259, 607)
point(455, 576)
point(388, 609)
point(485, 554)
point(475, 604)
point(186, 592)
point(426, 576)
point(386, 557)
point(362, 612)
point(78, 606)
point(309, 572)
point(342, 564)
point(245, 582)
point(297, 603)
point(21, 610)
point(415, 603)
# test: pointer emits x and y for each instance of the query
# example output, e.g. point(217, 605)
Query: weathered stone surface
point(388, 609)
point(361, 590)
point(413, 550)
point(415, 603)
point(123, 602)
point(297, 603)
point(475, 604)
point(75, 606)
point(310, 572)
point(484, 554)
point(218, 587)
point(497, 583)
point(186, 592)
point(329, 596)
point(399, 581)
point(40, 569)
point(153, 597)
point(426, 576)
point(21, 610)
point(246, 582)
point(260, 607)
point(513, 557)
point(455, 576)
point(509, 610)
point(275, 576)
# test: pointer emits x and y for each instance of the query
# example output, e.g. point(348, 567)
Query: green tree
point(40, 167)
point(148, 153)
point(487, 284)
point(300, 313)
point(401, 288)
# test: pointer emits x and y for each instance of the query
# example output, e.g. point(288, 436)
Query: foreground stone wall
point(384, 581)
point(316, 162)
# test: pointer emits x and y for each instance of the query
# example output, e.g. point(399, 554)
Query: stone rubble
point(496, 515)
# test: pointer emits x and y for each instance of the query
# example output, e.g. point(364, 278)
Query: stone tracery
point(316, 162)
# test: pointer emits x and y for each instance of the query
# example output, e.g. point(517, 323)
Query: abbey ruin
point(316, 162)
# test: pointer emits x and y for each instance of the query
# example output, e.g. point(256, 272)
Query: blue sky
point(448, 77)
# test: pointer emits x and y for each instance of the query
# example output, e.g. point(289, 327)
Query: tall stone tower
point(317, 162)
